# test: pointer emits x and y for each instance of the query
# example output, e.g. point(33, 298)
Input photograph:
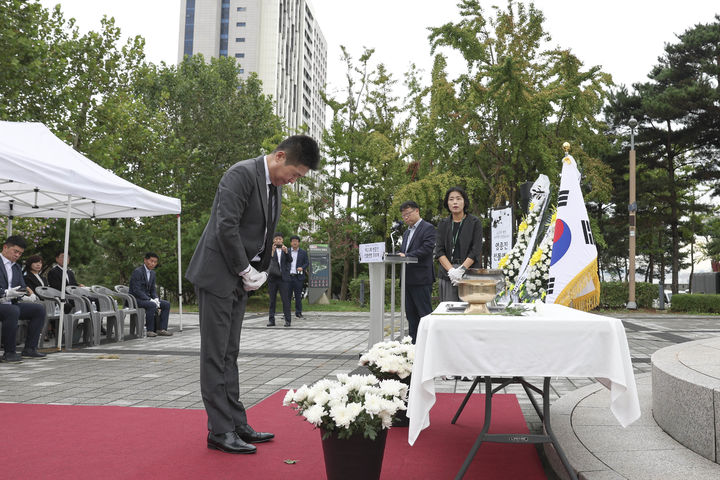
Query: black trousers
point(417, 305)
point(10, 313)
point(274, 285)
point(221, 321)
point(296, 287)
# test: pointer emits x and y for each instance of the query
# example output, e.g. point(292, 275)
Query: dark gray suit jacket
point(236, 230)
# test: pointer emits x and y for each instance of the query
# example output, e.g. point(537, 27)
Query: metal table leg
point(522, 438)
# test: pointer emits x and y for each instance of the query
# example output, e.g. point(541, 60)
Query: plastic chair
point(70, 320)
point(100, 306)
point(126, 312)
point(130, 303)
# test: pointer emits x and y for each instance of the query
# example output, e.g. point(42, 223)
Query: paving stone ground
point(164, 371)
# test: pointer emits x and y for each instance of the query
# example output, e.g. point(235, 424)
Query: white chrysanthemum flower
point(288, 398)
point(314, 414)
point(373, 403)
point(301, 394)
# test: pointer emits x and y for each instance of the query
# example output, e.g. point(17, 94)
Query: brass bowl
point(478, 287)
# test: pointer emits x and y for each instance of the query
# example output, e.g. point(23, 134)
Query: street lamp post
point(632, 209)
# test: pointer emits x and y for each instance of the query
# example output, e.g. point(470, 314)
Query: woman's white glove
point(455, 275)
point(252, 279)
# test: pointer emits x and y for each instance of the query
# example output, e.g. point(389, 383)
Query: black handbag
point(274, 268)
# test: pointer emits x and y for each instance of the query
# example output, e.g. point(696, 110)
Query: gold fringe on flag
point(569, 296)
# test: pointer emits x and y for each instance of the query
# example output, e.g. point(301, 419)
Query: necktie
point(272, 201)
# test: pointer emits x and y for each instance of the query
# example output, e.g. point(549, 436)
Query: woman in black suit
point(459, 243)
point(33, 278)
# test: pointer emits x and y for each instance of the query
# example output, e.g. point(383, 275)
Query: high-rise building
point(280, 40)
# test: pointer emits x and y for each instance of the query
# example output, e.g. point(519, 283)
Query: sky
point(624, 37)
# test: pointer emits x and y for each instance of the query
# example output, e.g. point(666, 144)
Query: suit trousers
point(151, 313)
point(10, 313)
point(296, 287)
point(221, 321)
point(417, 305)
point(274, 285)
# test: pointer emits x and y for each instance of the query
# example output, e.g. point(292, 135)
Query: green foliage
point(615, 294)
point(696, 303)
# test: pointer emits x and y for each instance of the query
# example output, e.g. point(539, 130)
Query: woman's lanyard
point(455, 238)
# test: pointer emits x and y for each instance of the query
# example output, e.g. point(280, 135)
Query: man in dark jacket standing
point(298, 268)
point(279, 279)
point(142, 287)
point(419, 242)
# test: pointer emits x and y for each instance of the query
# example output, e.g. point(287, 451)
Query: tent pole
point(61, 322)
point(179, 247)
point(10, 220)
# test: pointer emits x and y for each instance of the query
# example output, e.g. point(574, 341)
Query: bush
point(615, 294)
point(354, 290)
point(697, 303)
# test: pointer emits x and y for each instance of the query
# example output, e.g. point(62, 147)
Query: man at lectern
point(419, 242)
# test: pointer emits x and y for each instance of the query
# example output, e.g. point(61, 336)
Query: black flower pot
point(354, 458)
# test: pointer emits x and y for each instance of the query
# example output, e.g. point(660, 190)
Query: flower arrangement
point(539, 270)
point(390, 360)
point(351, 405)
point(511, 263)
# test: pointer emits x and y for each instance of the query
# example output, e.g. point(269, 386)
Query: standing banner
point(539, 200)
point(573, 278)
point(501, 231)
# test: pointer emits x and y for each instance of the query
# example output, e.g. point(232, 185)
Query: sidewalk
point(164, 371)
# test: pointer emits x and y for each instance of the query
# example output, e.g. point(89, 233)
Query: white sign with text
point(372, 252)
point(501, 234)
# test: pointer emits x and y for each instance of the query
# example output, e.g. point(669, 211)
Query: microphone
point(397, 226)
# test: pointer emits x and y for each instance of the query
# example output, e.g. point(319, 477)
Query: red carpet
point(77, 442)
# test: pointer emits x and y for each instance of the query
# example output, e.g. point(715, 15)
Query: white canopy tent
point(41, 176)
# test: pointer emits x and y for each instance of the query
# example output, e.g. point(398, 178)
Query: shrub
point(615, 294)
point(697, 303)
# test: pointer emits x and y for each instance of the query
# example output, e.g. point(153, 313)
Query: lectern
point(377, 297)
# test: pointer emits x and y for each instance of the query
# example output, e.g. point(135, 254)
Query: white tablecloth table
point(552, 341)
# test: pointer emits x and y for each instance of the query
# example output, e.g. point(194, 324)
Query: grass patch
point(259, 303)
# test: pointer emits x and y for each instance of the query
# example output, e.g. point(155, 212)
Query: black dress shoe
point(10, 357)
point(247, 434)
point(287, 324)
point(33, 353)
point(299, 315)
point(228, 442)
point(270, 324)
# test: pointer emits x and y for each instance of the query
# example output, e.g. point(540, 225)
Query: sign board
point(501, 229)
point(319, 266)
point(372, 252)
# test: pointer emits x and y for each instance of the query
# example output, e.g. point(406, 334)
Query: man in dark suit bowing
point(142, 287)
point(231, 259)
point(12, 288)
point(419, 242)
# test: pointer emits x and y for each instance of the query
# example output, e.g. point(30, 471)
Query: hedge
point(615, 294)
point(697, 303)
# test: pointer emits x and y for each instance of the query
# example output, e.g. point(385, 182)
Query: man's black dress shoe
point(270, 324)
point(229, 442)
point(287, 324)
point(10, 357)
point(33, 353)
point(247, 434)
point(299, 315)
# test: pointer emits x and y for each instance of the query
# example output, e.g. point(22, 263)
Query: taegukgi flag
point(573, 277)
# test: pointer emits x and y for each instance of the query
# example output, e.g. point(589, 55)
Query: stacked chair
point(129, 310)
point(81, 311)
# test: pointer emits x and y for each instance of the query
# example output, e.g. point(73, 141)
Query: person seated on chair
point(55, 273)
point(33, 279)
point(142, 287)
point(12, 288)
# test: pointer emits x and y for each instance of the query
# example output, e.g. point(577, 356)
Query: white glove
point(14, 292)
point(29, 298)
point(456, 275)
point(156, 301)
point(252, 279)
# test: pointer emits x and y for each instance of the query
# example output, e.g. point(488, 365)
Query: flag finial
point(566, 147)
